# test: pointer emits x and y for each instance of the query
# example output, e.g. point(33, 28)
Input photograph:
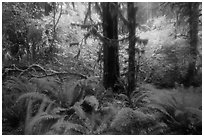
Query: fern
point(66, 127)
point(129, 121)
point(47, 85)
point(136, 99)
point(72, 92)
point(44, 117)
point(33, 95)
point(20, 84)
point(139, 97)
point(176, 113)
point(40, 119)
point(93, 121)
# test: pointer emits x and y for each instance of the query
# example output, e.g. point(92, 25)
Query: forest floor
point(182, 98)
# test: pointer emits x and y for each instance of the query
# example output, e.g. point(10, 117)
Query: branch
point(98, 8)
point(38, 67)
point(59, 17)
point(86, 26)
point(73, 44)
point(94, 32)
point(125, 21)
point(8, 71)
point(63, 74)
point(88, 12)
point(79, 51)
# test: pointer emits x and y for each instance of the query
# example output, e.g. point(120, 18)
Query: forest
point(101, 68)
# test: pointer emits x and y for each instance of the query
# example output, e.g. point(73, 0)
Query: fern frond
point(42, 120)
point(46, 84)
point(139, 97)
point(194, 111)
point(129, 121)
point(65, 127)
point(28, 112)
point(18, 84)
point(180, 114)
point(49, 107)
point(42, 106)
point(79, 111)
point(71, 92)
point(161, 108)
point(34, 95)
point(37, 120)
point(166, 101)
point(123, 97)
point(158, 129)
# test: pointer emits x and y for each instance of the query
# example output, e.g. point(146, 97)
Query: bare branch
point(86, 26)
point(98, 8)
point(59, 16)
point(88, 13)
point(125, 21)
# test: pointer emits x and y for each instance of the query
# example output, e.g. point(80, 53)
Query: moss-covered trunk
point(193, 33)
point(110, 47)
point(131, 50)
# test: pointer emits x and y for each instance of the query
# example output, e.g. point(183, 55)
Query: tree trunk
point(131, 51)
point(193, 32)
point(110, 48)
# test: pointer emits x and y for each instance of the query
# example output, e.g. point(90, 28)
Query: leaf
point(123, 96)
point(79, 111)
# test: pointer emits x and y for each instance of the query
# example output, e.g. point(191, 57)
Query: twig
point(32, 67)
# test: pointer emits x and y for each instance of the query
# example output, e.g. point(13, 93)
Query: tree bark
point(193, 32)
point(110, 47)
point(131, 51)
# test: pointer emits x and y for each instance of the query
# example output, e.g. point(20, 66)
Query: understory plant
point(77, 108)
point(178, 110)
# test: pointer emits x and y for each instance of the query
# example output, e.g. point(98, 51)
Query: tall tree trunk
point(110, 48)
point(132, 41)
point(193, 32)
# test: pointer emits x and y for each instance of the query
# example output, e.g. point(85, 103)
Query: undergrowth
point(49, 105)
